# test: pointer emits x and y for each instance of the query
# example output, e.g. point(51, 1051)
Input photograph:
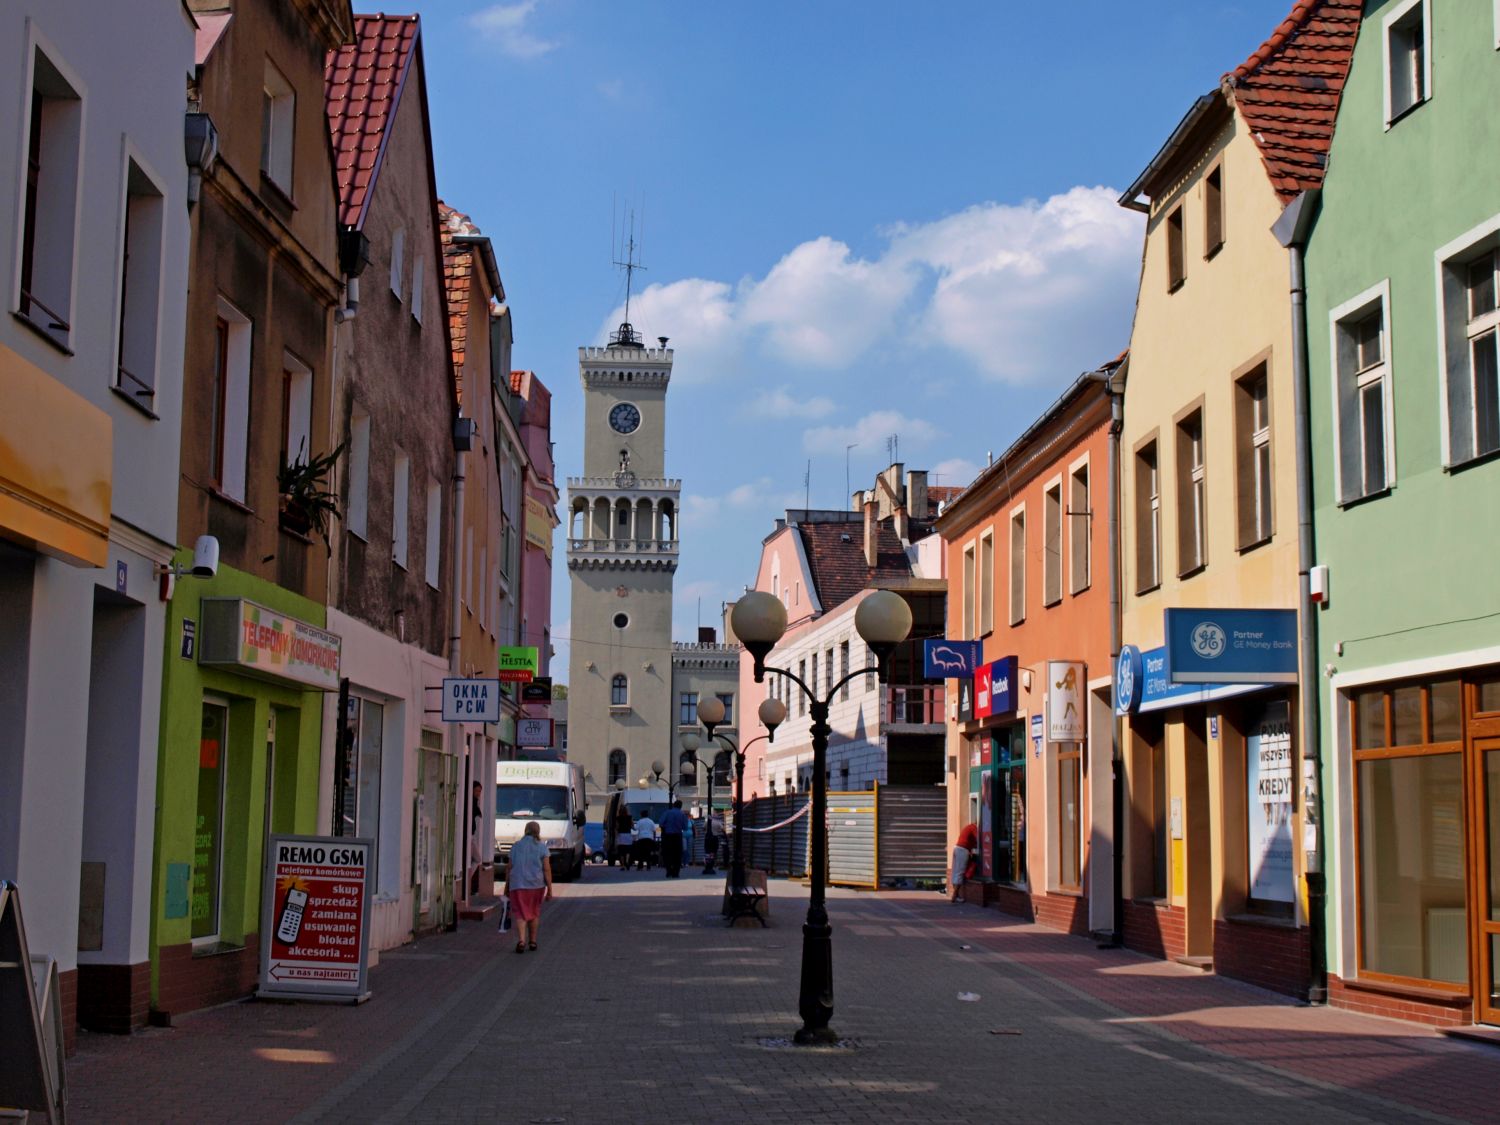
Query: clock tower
point(622, 556)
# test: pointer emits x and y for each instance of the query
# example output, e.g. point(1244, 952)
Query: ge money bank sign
point(1231, 646)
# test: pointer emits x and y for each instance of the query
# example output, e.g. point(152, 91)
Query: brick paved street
point(642, 1007)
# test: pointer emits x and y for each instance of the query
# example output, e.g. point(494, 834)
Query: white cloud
point(1025, 292)
point(870, 431)
point(956, 472)
point(505, 24)
point(613, 89)
point(781, 404)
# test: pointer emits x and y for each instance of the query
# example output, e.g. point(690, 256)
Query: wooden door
point(1486, 924)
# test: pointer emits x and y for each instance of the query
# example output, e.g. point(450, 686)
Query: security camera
point(205, 557)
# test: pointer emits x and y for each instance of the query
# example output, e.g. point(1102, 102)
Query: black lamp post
point(690, 744)
point(711, 714)
point(883, 619)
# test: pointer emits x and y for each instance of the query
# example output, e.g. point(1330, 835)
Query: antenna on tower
point(892, 447)
point(807, 488)
point(627, 336)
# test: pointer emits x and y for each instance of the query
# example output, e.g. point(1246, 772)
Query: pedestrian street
point(640, 1005)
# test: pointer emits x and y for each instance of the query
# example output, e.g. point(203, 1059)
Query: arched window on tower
point(616, 767)
point(619, 691)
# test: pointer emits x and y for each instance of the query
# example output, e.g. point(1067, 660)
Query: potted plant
point(306, 501)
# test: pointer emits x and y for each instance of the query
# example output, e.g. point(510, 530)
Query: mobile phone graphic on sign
point(290, 924)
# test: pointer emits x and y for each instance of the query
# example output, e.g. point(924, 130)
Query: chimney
point(872, 533)
point(917, 504)
point(706, 635)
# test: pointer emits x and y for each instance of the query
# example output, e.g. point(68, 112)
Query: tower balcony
point(612, 484)
point(631, 553)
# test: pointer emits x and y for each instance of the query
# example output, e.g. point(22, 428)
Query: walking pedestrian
point(965, 859)
point(645, 841)
point(624, 836)
point(528, 882)
point(476, 853)
point(673, 823)
point(713, 833)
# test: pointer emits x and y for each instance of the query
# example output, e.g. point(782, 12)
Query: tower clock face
point(625, 418)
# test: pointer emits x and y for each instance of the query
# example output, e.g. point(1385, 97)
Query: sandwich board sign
point(315, 914)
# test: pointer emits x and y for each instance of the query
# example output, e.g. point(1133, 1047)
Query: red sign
point(316, 917)
point(515, 676)
point(982, 705)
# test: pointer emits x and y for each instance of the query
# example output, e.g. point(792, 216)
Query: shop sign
point(1231, 646)
point(1269, 782)
point(965, 701)
point(1065, 703)
point(470, 701)
point(258, 641)
point(539, 690)
point(534, 732)
point(316, 912)
point(1036, 736)
point(943, 659)
point(1141, 684)
point(995, 688)
point(539, 523)
point(518, 664)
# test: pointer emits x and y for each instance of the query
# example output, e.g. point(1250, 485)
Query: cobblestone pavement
point(642, 1007)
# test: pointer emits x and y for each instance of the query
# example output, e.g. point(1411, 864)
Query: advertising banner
point(534, 732)
point(995, 688)
point(518, 664)
point(539, 690)
point(1269, 786)
point(471, 701)
point(1065, 703)
point(965, 700)
point(315, 918)
point(943, 659)
point(257, 641)
point(1231, 646)
point(539, 523)
point(1141, 684)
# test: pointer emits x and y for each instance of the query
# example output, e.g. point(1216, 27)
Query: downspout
point(1292, 231)
point(463, 440)
point(1114, 385)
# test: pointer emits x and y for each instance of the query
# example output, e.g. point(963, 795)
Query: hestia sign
point(255, 640)
point(315, 917)
point(518, 664)
point(471, 701)
point(1231, 646)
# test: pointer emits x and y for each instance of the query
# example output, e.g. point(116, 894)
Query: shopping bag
point(504, 913)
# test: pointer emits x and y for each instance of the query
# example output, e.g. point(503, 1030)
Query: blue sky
point(859, 219)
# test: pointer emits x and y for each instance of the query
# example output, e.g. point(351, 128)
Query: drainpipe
point(463, 441)
point(1114, 384)
point(1292, 231)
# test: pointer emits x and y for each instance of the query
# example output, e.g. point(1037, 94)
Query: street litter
point(968, 996)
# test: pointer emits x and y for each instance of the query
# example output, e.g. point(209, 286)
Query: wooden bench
point(750, 901)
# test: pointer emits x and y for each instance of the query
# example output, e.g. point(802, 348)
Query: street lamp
point(711, 713)
point(883, 619)
point(690, 746)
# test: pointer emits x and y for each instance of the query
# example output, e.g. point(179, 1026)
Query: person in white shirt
point(645, 841)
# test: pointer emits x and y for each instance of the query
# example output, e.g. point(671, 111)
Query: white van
point(550, 793)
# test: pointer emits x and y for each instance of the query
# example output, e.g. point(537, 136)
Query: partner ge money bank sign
point(315, 918)
point(1231, 646)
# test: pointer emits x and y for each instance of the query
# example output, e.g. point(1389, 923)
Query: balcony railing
point(641, 484)
point(914, 704)
point(623, 546)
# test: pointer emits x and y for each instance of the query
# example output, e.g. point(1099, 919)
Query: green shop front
point(247, 665)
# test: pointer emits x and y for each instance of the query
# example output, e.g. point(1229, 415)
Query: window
point(434, 533)
point(1269, 795)
point(727, 698)
point(358, 514)
point(53, 154)
point(1147, 519)
point(361, 812)
point(398, 252)
point(1192, 511)
point(828, 670)
point(969, 601)
point(278, 110)
point(616, 767)
point(619, 691)
point(1080, 530)
point(418, 268)
point(1252, 457)
point(1362, 392)
point(687, 709)
point(1408, 71)
point(296, 412)
point(802, 675)
point(621, 620)
point(1069, 815)
point(1467, 282)
point(468, 586)
point(1409, 808)
point(1213, 212)
point(986, 583)
point(1052, 544)
point(208, 836)
point(140, 285)
point(229, 439)
point(870, 662)
point(1018, 566)
point(400, 502)
point(1175, 268)
point(844, 669)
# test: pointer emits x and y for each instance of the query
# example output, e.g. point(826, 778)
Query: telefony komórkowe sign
point(315, 913)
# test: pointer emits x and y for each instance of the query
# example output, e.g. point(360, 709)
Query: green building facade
point(1405, 415)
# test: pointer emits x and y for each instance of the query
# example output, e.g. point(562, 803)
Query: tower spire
point(627, 336)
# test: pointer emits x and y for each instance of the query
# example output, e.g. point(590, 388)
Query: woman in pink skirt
point(528, 881)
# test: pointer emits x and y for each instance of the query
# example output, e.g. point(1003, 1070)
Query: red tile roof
point(458, 273)
point(937, 493)
point(836, 557)
point(1288, 91)
point(362, 88)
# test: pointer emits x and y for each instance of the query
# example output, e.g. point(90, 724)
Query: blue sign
point(1231, 646)
point(1003, 687)
point(1141, 684)
point(1036, 735)
point(943, 659)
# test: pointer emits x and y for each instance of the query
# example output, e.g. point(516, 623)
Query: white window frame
point(970, 607)
point(1349, 311)
point(278, 162)
point(434, 533)
point(138, 299)
point(400, 506)
point(1453, 330)
point(1397, 13)
point(984, 587)
point(398, 260)
point(299, 410)
point(1017, 612)
point(1069, 516)
point(357, 516)
point(1052, 564)
point(238, 360)
point(1194, 490)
